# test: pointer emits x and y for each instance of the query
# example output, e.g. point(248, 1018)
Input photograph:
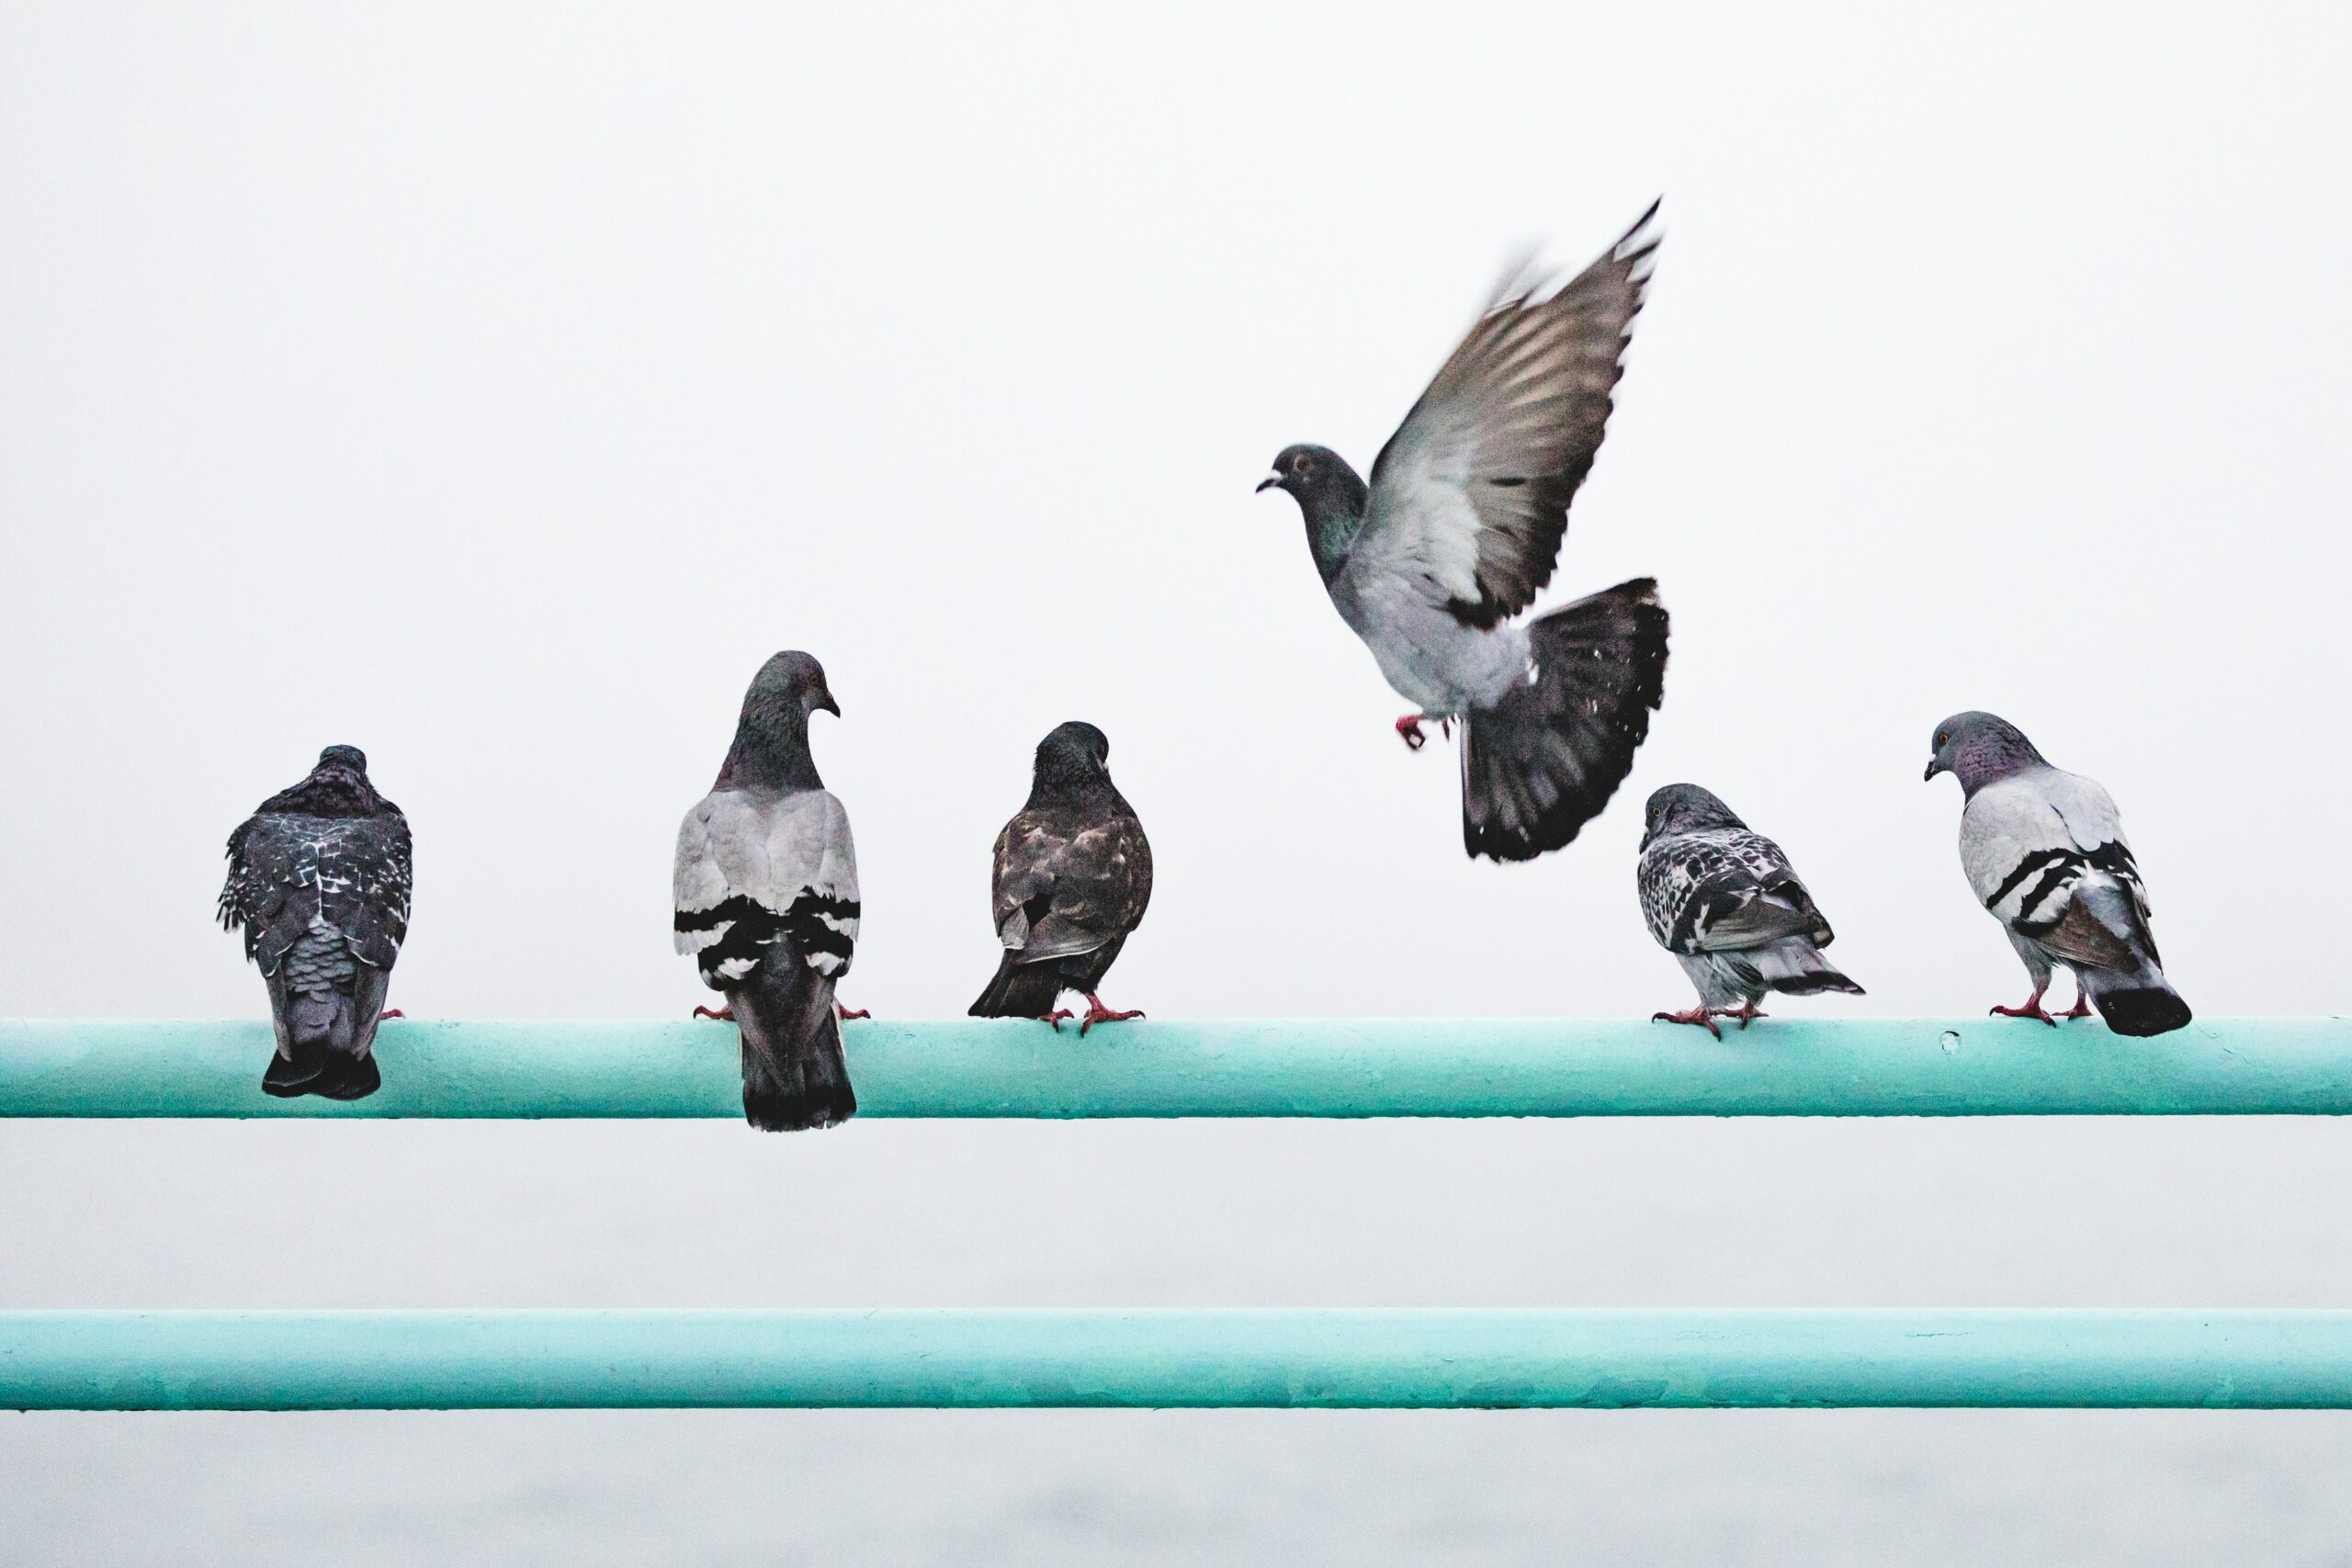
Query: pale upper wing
point(755, 871)
point(1470, 497)
point(2028, 840)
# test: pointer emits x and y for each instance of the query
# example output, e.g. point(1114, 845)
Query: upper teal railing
point(1233, 1067)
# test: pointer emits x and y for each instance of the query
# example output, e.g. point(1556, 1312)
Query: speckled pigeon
point(1459, 529)
point(1073, 877)
point(767, 901)
point(1726, 903)
point(2044, 850)
point(319, 883)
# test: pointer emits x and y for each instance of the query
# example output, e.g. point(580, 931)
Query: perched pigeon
point(1073, 876)
point(766, 895)
point(2044, 850)
point(1728, 904)
point(319, 880)
point(1460, 528)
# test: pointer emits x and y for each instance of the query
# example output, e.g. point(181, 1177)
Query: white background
point(494, 393)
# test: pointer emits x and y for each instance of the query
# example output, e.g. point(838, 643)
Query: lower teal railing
point(1606, 1359)
point(1979, 1067)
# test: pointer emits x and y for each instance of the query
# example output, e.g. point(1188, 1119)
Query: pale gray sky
point(495, 390)
point(494, 394)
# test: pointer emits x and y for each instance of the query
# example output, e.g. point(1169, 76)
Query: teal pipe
point(1232, 1068)
point(1347, 1359)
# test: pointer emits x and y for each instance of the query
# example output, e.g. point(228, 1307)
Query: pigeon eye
point(1301, 463)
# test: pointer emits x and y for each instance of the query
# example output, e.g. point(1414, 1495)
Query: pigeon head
point(1073, 758)
point(337, 786)
point(770, 746)
point(1330, 496)
point(791, 683)
point(1980, 749)
point(1318, 479)
point(1683, 809)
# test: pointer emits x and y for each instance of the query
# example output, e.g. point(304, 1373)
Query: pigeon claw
point(1097, 1013)
point(1409, 729)
point(1746, 1014)
point(845, 1014)
point(1703, 1017)
point(2031, 1008)
point(724, 1015)
point(2081, 1008)
point(389, 1012)
point(1055, 1017)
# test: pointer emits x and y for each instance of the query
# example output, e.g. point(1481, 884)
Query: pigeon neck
point(1331, 527)
point(327, 795)
point(1980, 764)
point(1091, 787)
point(771, 752)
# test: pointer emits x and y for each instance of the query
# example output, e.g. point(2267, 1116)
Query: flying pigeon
point(766, 897)
point(1728, 904)
point(1073, 876)
point(318, 883)
point(2044, 850)
point(1459, 529)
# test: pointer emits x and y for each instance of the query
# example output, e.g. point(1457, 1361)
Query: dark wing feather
point(1723, 891)
point(1064, 885)
point(354, 871)
point(1471, 495)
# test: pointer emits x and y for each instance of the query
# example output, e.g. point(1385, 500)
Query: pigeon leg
point(1701, 1016)
point(724, 1014)
point(845, 1014)
point(1055, 1017)
point(2032, 1009)
point(1409, 727)
point(389, 1012)
point(2081, 1008)
point(1747, 1013)
point(1097, 1013)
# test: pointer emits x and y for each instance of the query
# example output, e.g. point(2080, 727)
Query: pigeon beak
point(831, 706)
point(1935, 766)
point(1271, 480)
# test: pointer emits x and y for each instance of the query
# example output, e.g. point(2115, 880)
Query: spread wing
point(354, 873)
point(1724, 890)
point(757, 874)
point(1063, 886)
point(2030, 842)
point(1470, 497)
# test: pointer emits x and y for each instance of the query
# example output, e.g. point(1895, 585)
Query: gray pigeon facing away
point(2044, 850)
point(1460, 528)
point(767, 901)
point(1728, 904)
point(1072, 880)
point(319, 883)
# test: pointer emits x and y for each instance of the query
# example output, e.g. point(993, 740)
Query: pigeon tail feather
point(326, 1039)
point(2130, 992)
point(795, 1078)
point(1020, 990)
point(1543, 760)
point(2136, 1005)
point(2131, 1005)
point(1797, 968)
